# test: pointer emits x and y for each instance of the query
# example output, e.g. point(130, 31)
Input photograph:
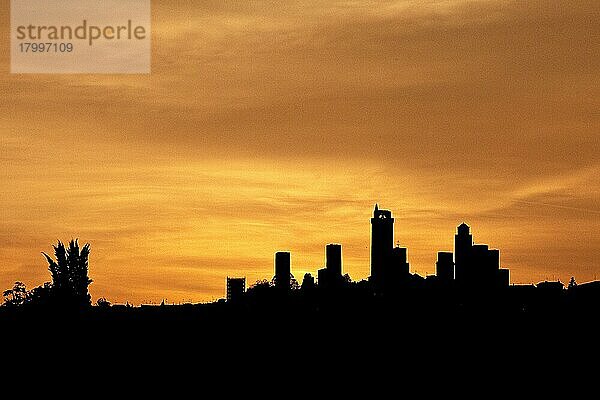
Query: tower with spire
point(382, 243)
point(463, 247)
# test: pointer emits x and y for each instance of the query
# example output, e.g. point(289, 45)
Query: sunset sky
point(277, 125)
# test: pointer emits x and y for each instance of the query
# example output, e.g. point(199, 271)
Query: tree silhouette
point(347, 280)
point(102, 302)
point(308, 282)
point(41, 295)
point(69, 271)
point(15, 296)
point(261, 284)
point(294, 285)
point(572, 283)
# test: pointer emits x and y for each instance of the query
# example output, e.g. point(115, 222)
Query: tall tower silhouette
point(382, 242)
point(463, 249)
point(283, 269)
point(333, 259)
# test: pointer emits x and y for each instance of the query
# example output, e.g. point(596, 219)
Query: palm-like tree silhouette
point(69, 271)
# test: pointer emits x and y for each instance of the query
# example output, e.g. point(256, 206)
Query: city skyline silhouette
point(278, 125)
point(469, 276)
point(471, 273)
point(380, 188)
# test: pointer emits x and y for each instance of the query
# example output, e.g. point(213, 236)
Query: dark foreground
point(373, 326)
point(384, 344)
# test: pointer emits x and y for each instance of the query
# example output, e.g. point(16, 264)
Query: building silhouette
point(476, 265)
point(397, 270)
point(382, 243)
point(333, 259)
point(389, 265)
point(503, 280)
point(444, 267)
point(331, 275)
point(463, 243)
point(469, 273)
point(283, 270)
point(236, 287)
point(469, 282)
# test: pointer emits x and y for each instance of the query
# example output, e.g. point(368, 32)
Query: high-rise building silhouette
point(476, 265)
point(463, 245)
point(333, 259)
point(236, 287)
point(382, 243)
point(398, 266)
point(323, 278)
point(472, 268)
point(395, 271)
point(283, 270)
point(481, 265)
point(444, 267)
point(331, 275)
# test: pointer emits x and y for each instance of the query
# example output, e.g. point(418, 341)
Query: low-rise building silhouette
point(236, 287)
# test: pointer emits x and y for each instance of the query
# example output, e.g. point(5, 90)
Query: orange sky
point(278, 125)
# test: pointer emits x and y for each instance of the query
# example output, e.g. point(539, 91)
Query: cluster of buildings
point(470, 265)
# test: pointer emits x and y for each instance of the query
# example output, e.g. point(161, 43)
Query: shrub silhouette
point(102, 302)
